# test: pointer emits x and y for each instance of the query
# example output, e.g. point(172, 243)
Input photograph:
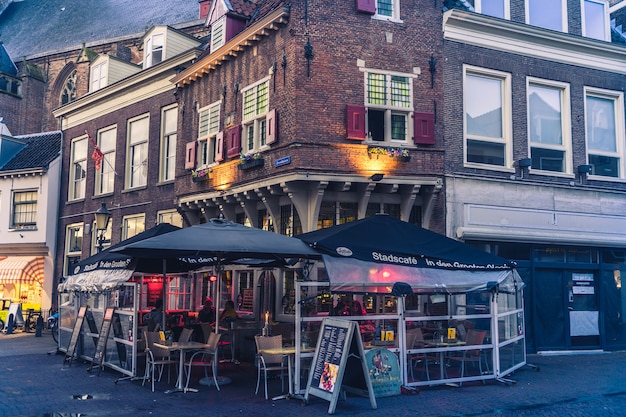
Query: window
point(154, 49)
point(388, 9)
point(98, 76)
point(209, 126)
point(604, 123)
point(78, 170)
point(487, 115)
point(68, 93)
point(549, 14)
point(595, 19)
point(73, 246)
point(180, 293)
point(495, 8)
point(105, 176)
point(170, 216)
point(548, 126)
point(137, 154)
point(169, 125)
point(24, 210)
point(255, 108)
point(133, 225)
point(106, 238)
point(389, 102)
point(218, 33)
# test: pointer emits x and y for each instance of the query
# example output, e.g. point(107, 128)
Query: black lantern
point(103, 216)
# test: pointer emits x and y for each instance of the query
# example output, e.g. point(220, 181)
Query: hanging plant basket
point(252, 163)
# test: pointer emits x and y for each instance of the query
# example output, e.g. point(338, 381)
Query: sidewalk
point(38, 384)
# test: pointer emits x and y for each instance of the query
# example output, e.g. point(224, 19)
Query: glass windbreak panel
point(485, 152)
point(546, 14)
point(509, 301)
point(288, 301)
point(512, 355)
point(595, 20)
point(510, 326)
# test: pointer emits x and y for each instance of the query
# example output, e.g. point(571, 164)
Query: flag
point(97, 154)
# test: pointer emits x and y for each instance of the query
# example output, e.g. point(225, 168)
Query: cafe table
point(443, 345)
point(290, 352)
point(183, 347)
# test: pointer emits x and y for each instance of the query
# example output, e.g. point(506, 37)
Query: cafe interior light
point(213, 278)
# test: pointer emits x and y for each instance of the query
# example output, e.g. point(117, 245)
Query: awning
point(353, 275)
point(96, 281)
point(21, 269)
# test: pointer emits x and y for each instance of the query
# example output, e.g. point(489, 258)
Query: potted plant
point(199, 175)
point(250, 161)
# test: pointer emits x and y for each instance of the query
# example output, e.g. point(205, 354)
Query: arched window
point(68, 93)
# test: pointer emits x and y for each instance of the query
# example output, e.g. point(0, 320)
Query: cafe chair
point(415, 340)
point(267, 362)
point(206, 358)
point(156, 358)
point(185, 335)
point(472, 356)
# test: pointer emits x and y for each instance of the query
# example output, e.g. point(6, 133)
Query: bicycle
point(53, 324)
point(31, 320)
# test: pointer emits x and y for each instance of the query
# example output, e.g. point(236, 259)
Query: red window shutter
point(270, 127)
point(355, 122)
point(366, 6)
point(233, 139)
point(424, 128)
point(219, 147)
point(190, 155)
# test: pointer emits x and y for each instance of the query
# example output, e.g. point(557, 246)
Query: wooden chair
point(207, 358)
point(156, 357)
point(269, 362)
point(473, 356)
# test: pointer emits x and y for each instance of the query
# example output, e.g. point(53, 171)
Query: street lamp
point(103, 215)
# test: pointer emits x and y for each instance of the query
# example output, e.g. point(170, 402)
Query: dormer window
point(595, 19)
point(154, 49)
point(218, 37)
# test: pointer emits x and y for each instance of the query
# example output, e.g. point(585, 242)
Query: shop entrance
point(566, 310)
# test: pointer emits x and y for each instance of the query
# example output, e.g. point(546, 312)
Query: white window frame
point(254, 118)
point(105, 177)
point(133, 225)
point(395, 12)
point(563, 28)
point(172, 217)
point(98, 76)
point(72, 251)
point(478, 6)
point(155, 43)
point(606, 20)
point(167, 157)
point(30, 220)
point(218, 33)
point(106, 243)
point(507, 132)
point(388, 108)
point(136, 143)
point(566, 138)
point(78, 160)
point(208, 128)
point(618, 116)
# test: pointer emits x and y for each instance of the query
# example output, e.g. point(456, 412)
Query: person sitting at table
point(357, 309)
point(154, 317)
point(229, 313)
point(341, 309)
point(207, 314)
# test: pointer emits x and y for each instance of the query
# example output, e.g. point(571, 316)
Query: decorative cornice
point(233, 47)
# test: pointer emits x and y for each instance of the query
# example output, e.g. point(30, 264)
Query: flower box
point(200, 175)
point(251, 163)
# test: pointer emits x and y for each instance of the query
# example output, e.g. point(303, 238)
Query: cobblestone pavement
point(35, 383)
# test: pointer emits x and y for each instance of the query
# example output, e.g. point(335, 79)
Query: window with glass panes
point(548, 14)
point(78, 170)
point(596, 19)
point(255, 108)
point(24, 209)
point(73, 246)
point(209, 126)
point(604, 123)
point(388, 9)
point(133, 225)
point(169, 122)
point(388, 103)
point(179, 293)
point(137, 155)
point(105, 176)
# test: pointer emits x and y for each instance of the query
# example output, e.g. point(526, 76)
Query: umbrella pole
point(218, 295)
point(164, 294)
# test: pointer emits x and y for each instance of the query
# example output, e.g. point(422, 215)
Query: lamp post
point(103, 216)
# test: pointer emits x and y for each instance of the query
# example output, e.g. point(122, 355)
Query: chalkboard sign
point(98, 356)
point(93, 327)
point(71, 348)
point(339, 364)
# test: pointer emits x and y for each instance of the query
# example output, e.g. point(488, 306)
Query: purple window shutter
point(424, 128)
point(270, 128)
point(190, 155)
point(219, 147)
point(366, 6)
point(355, 122)
point(233, 138)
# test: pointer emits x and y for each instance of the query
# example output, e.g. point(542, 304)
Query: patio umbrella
point(372, 254)
point(223, 241)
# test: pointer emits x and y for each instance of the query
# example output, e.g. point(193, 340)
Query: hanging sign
point(339, 364)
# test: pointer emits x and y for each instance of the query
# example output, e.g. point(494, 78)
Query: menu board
point(98, 356)
point(339, 364)
point(71, 348)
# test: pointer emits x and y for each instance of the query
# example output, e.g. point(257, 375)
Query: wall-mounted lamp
point(377, 177)
point(103, 216)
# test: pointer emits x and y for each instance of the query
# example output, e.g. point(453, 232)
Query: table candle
point(267, 317)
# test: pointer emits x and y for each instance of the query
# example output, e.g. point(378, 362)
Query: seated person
point(154, 318)
point(357, 309)
point(229, 313)
point(207, 314)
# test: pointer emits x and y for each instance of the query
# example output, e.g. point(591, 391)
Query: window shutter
point(233, 140)
point(355, 122)
point(219, 147)
point(366, 6)
point(424, 128)
point(190, 155)
point(270, 128)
